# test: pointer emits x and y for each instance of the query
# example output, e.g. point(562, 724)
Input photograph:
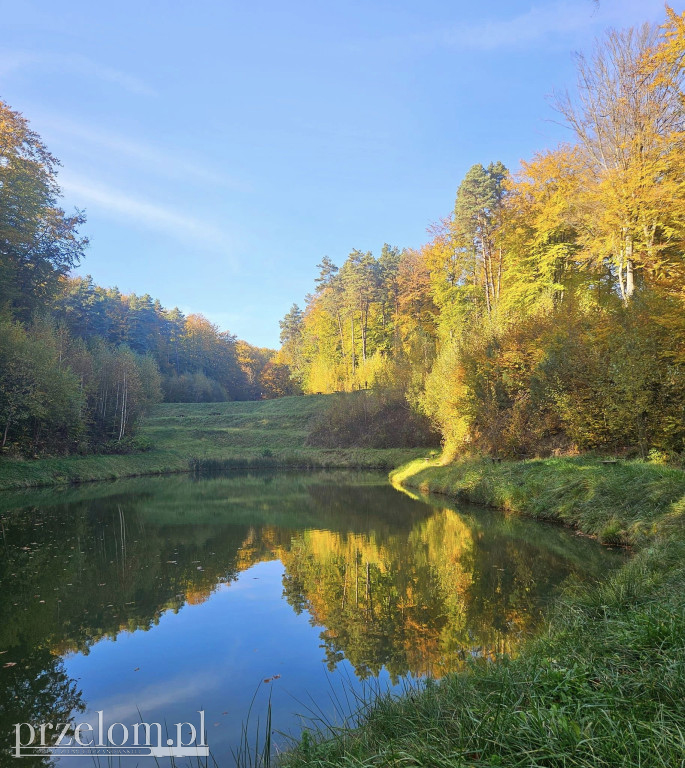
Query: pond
point(153, 599)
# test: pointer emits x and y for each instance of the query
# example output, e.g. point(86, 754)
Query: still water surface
point(160, 597)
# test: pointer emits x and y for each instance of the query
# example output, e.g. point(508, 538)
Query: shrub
point(376, 419)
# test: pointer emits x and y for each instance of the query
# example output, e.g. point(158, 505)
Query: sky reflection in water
point(170, 595)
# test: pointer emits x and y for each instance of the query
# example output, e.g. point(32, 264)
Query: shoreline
point(52, 472)
point(613, 648)
point(600, 685)
point(618, 504)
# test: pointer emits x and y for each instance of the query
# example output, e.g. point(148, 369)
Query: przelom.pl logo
point(88, 740)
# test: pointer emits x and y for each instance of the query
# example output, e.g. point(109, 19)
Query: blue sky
point(221, 148)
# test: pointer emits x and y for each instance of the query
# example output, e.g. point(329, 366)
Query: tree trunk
point(116, 409)
point(365, 320)
point(124, 397)
point(342, 335)
point(621, 286)
point(630, 279)
point(353, 355)
point(486, 270)
point(7, 426)
point(499, 274)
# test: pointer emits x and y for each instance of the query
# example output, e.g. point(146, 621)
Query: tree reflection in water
point(414, 586)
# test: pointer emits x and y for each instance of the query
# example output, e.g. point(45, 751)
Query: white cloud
point(122, 205)
point(538, 22)
point(72, 63)
point(155, 697)
point(127, 81)
point(542, 22)
point(165, 161)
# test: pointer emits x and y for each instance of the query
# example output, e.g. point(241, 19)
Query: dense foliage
point(39, 243)
point(547, 311)
point(198, 363)
point(59, 395)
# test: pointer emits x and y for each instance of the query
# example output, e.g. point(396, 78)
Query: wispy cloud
point(542, 22)
point(14, 61)
point(75, 64)
point(539, 22)
point(167, 162)
point(155, 697)
point(120, 204)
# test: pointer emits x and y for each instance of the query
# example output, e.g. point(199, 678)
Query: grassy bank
point(210, 436)
point(623, 503)
point(604, 684)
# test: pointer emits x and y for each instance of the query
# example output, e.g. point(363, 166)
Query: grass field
point(209, 436)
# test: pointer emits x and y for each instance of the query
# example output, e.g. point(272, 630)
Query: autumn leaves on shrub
point(562, 383)
point(374, 419)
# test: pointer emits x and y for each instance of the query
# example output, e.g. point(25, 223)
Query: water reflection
point(382, 582)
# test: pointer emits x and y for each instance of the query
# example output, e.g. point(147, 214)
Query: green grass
point(623, 503)
point(603, 687)
point(210, 436)
point(605, 683)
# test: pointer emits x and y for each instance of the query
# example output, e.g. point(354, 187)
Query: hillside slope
point(209, 436)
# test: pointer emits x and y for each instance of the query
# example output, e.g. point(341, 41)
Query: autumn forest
point(546, 310)
point(544, 314)
point(324, 544)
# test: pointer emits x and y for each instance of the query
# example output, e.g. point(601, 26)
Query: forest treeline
point(197, 362)
point(547, 310)
point(79, 364)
